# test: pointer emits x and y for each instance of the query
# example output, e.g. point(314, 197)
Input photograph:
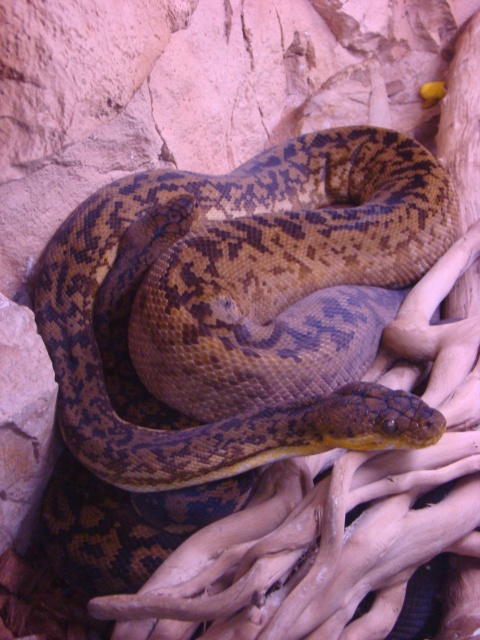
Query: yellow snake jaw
point(314, 168)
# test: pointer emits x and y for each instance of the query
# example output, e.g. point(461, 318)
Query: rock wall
point(93, 90)
point(28, 446)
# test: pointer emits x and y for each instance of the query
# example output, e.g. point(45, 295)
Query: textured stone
point(222, 107)
point(201, 86)
point(27, 405)
point(360, 26)
point(67, 67)
point(33, 207)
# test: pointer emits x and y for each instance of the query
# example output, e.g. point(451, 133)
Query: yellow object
point(432, 92)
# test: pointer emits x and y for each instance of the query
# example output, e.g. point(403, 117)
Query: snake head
point(371, 416)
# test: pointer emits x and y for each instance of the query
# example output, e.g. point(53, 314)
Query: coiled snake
point(211, 329)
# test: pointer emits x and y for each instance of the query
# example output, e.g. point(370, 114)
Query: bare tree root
point(378, 551)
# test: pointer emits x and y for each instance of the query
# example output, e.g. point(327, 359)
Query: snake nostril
point(389, 426)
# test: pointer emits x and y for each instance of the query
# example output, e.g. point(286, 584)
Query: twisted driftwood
point(292, 536)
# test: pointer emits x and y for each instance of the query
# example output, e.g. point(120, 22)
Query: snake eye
point(389, 426)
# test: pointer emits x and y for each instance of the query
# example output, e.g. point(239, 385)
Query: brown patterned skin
point(401, 221)
point(96, 539)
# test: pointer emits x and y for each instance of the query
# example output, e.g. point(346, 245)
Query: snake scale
point(212, 329)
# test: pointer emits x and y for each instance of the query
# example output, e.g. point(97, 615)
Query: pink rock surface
point(91, 93)
point(27, 405)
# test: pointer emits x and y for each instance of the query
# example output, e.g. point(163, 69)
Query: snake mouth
point(381, 441)
point(375, 442)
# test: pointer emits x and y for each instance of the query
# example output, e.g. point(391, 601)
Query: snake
point(224, 327)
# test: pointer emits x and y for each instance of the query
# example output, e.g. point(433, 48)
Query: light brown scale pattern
point(400, 219)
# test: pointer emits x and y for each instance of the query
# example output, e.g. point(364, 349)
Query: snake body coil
point(351, 205)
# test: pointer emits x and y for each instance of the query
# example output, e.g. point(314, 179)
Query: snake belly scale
point(354, 205)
